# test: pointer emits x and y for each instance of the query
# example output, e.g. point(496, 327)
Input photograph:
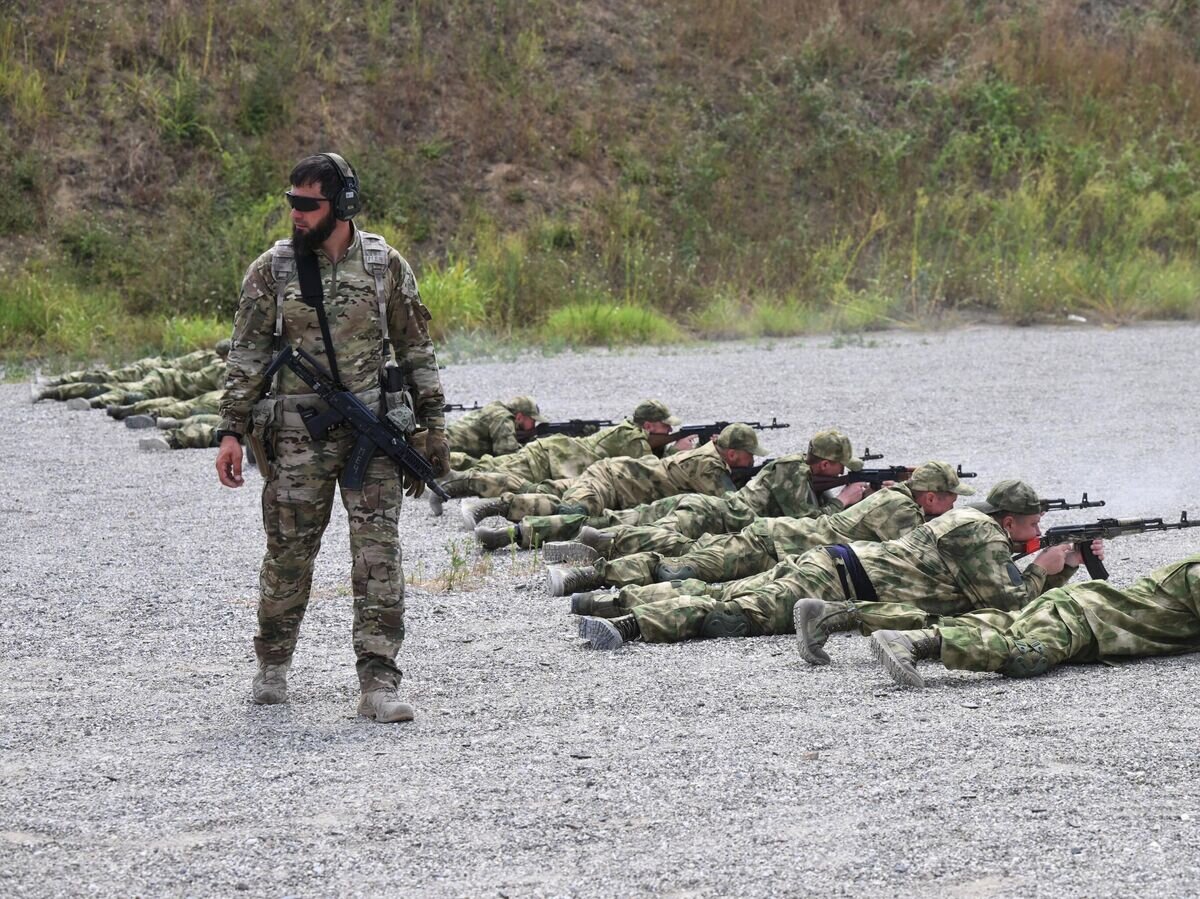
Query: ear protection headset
point(348, 201)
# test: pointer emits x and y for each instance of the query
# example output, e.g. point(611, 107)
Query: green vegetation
point(716, 168)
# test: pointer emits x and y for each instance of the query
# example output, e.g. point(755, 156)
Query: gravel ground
point(131, 762)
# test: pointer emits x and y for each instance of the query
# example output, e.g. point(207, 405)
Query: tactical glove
point(437, 451)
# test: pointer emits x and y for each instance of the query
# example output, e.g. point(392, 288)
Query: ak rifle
point(875, 477)
point(741, 476)
point(574, 427)
point(1061, 505)
point(461, 407)
point(1082, 536)
point(706, 432)
point(375, 434)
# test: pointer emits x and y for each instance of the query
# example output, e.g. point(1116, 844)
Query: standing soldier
point(367, 299)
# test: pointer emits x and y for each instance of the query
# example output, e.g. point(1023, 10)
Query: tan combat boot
point(815, 620)
point(899, 652)
point(270, 684)
point(383, 705)
point(563, 580)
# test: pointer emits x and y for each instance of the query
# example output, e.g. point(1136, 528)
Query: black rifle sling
point(313, 293)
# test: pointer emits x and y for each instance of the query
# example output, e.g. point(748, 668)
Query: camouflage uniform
point(959, 562)
point(1086, 622)
point(624, 482)
point(551, 458)
point(194, 432)
point(135, 371)
point(298, 493)
point(885, 515)
point(173, 382)
point(173, 407)
point(490, 431)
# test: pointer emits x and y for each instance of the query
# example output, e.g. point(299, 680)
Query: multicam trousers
point(297, 501)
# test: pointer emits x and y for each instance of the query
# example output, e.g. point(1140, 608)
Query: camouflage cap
point(223, 346)
point(1012, 496)
point(938, 477)
point(653, 410)
point(741, 437)
point(526, 405)
point(834, 446)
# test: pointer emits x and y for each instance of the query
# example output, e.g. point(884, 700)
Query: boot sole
point(599, 633)
point(468, 516)
point(436, 505)
point(901, 674)
point(568, 551)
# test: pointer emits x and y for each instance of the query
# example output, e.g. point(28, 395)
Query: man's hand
point(413, 485)
point(1074, 558)
point(437, 451)
point(229, 462)
point(687, 443)
point(852, 493)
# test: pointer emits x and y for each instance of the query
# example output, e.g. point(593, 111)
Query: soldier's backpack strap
point(283, 269)
point(375, 261)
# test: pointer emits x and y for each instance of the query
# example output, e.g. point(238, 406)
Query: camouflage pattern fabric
point(625, 482)
point(174, 407)
point(196, 432)
point(175, 382)
point(302, 476)
point(782, 489)
point(135, 371)
point(539, 529)
point(956, 563)
point(885, 515)
point(550, 458)
point(491, 430)
point(1086, 622)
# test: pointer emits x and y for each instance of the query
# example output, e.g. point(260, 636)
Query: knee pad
point(1027, 659)
point(727, 620)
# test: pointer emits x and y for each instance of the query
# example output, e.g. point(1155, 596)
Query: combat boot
point(166, 423)
point(270, 684)
point(815, 620)
point(78, 404)
point(602, 633)
point(457, 489)
point(383, 705)
point(670, 570)
point(474, 511)
point(118, 412)
point(563, 580)
point(139, 422)
point(497, 538)
point(899, 652)
point(154, 444)
point(597, 603)
point(600, 541)
point(569, 551)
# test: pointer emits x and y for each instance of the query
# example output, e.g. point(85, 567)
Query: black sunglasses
point(304, 204)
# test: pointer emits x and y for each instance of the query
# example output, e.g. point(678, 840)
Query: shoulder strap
point(283, 266)
point(375, 261)
point(314, 294)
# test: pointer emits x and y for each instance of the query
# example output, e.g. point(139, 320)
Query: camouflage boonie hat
point(741, 437)
point(1012, 496)
point(526, 405)
point(653, 410)
point(938, 477)
point(834, 446)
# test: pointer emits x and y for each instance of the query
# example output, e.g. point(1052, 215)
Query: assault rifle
point(1082, 536)
point(741, 476)
point(874, 476)
point(575, 427)
point(375, 434)
point(1061, 505)
point(706, 432)
point(461, 407)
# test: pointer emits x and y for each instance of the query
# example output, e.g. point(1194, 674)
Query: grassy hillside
point(605, 170)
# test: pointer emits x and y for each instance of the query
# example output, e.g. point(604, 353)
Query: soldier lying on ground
point(892, 512)
point(1091, 621)
point(88, 383)
point(559, 456)
point(626, 482)
point(783, 488)
point(144, 414)
point(173, 382)
point(958, 562)
point(195, 432)
point(491, 431)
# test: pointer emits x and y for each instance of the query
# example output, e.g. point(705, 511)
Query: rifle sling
point(847, 563)
point(313, 293)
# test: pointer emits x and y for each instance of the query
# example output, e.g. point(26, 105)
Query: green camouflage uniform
point(173, 382)
point(956, 563)
point(194, 432)
point(1086, 622)
point(491, 431)
point(551, 458)
point(298, 493)
point(624, 482)
point(885, 515)
point(173, 407)
point(135, 371)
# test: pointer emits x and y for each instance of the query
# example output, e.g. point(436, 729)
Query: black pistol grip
point(1093, 563)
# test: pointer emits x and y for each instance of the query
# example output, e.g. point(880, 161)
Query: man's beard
point(306, 242)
